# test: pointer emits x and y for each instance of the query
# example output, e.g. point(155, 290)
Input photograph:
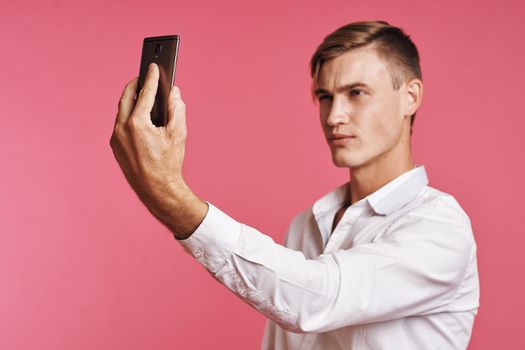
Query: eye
point(324, 97)
point(357, 92)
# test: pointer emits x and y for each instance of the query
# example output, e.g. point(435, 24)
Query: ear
point(413, 96)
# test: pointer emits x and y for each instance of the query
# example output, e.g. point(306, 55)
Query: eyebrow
point(321, 91)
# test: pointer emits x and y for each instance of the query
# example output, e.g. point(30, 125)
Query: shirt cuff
point(214, 240)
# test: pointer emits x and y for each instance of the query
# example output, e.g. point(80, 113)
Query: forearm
point(181, 210)
point(277, 281)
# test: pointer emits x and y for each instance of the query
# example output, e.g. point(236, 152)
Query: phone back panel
point(162, 50)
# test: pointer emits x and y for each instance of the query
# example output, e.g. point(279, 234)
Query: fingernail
point(150, 68)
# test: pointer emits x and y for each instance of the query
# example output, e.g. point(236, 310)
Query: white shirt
point(398, 272)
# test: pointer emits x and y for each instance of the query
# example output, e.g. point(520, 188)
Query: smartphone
point(162, 50)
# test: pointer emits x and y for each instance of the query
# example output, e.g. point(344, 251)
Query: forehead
point(362, 65)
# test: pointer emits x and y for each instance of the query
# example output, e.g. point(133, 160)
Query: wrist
point(181, 210)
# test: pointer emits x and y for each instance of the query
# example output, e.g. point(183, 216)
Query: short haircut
point(391, 43)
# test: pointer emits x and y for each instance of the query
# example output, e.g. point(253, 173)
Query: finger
point(176, 112)
point(127, 101)
point(146, 96)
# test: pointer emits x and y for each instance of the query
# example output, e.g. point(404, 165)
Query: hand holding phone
point(152, 158)
point(162, 50)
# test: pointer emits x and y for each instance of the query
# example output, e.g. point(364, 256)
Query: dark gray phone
point(162, 50)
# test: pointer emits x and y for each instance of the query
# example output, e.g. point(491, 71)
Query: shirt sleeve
point(415, 269)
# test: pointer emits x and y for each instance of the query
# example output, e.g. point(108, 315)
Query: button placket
point(338, 236)
point(343, 228)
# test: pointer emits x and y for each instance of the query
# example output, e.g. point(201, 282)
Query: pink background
point(83, 265)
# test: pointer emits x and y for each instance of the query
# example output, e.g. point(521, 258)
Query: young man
point(384, 261)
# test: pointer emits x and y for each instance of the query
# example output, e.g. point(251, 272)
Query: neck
point(368, 178)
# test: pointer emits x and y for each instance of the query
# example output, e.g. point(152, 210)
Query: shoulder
point(440, 205)
point(434, 222)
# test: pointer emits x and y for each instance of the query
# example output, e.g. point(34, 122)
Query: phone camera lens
point(158, 48)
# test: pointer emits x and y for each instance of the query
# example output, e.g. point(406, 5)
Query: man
point(384, 261)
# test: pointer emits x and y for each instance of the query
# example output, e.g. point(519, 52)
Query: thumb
point(146, 96)
point(176, 113)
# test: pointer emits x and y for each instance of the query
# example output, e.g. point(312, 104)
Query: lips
point(340, 139)
point(339, 136)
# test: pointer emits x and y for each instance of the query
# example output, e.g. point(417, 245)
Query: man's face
point(357, 98)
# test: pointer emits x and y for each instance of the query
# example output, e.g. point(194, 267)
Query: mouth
point(341, 140)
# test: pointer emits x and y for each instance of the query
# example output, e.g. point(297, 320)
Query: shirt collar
point(387, 199)
point(398, 192)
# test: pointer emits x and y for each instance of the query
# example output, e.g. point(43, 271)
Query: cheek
point(384, 126)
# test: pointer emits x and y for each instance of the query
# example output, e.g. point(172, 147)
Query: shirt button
point(198, 253)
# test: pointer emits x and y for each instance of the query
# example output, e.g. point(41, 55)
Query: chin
point(341, 161)
point(345, 158)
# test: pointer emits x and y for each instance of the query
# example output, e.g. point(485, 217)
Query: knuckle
point(117, 135)
point(121, 103)
point(181, 105)
point(117, 131)
point(133, 124)
point(113, 141)
point(144, 91)
point(179, 99)
point(130, 83)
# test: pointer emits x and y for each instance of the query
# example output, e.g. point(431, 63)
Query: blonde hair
point(391, 43)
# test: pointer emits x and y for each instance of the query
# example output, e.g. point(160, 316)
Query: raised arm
point(415, 269)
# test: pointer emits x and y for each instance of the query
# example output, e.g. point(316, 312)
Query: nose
point(339, 112)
